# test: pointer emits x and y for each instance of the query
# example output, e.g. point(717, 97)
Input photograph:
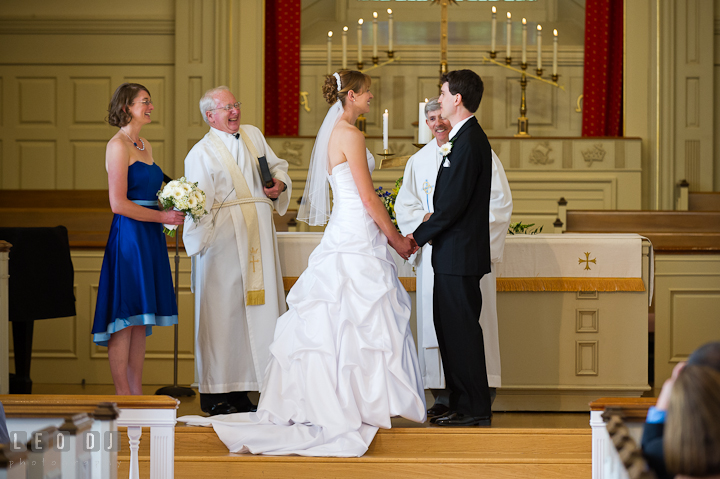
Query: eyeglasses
point(144, 102)
point(228, 107)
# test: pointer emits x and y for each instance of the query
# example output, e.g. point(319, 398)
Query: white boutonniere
point(446, 148)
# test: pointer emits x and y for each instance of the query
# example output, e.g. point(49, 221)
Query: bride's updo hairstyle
point(350, 80)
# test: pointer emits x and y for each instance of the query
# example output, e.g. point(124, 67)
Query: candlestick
point(424, 133)
point(375, 41)
point(390, 32)
point(539, 50)
point(344, 48)
point(508, 55)
point(359, 43)
point(385, 130)
point(329, 53)
point(555, 50)
point(493, 32)
point(524, 42)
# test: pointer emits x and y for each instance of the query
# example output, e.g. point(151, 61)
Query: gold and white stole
point(253, 282)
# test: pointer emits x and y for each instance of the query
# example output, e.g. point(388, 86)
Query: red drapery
point(603, 72)
point(282, 66)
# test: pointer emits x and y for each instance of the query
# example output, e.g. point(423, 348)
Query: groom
point(459, 231)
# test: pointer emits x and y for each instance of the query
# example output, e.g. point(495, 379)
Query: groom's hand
point(427, 217)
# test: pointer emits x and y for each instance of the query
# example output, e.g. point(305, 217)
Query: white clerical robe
point(414, 200)
point(232, 339)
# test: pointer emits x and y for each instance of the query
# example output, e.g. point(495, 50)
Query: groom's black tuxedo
point(459, 230)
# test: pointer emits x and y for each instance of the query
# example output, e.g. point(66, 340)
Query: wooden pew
point(614, 445)
point(85, 213)
point(669, 231)
point(31, 412)
point(696, 201)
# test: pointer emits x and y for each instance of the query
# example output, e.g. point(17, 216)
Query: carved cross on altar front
point(587, 261)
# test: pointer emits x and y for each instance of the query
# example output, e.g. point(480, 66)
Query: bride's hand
point(404, 245)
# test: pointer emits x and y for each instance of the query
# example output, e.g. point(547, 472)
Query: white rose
point(445, 149)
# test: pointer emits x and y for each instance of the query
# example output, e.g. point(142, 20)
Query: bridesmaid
point(136, 290)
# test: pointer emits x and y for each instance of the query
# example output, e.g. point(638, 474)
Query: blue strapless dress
point(136, 285)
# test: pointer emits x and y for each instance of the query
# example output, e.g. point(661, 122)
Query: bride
point(343, 360)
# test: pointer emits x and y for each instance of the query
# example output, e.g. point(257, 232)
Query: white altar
point(568, 335)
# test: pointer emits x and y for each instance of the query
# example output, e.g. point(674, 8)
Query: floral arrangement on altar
point(521, 229)
point(388, 198)
point(183, 196)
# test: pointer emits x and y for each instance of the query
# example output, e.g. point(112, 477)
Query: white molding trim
point(85, 26)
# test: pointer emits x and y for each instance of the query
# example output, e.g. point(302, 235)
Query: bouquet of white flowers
point(183, 196)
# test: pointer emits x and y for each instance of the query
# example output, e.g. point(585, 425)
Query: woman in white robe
point(343, 361)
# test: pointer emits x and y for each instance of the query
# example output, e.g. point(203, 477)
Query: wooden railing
point(607, 462)
point(33, 412)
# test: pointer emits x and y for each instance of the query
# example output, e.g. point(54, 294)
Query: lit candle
point(555, 46)
point(344, 48)
point(359, 31)
point(375, 35)
point(509, 35)
point(539, 47)
point(424, 133)
point(329, 53)
point(493, 31)
point(524, 42)
point(390, 30)
point(385, 130)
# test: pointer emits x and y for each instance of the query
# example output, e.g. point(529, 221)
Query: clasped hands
point(405, 246)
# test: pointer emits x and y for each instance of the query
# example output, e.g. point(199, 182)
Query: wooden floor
point(518, 445)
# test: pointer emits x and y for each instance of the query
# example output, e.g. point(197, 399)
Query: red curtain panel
point(603, 72)
point(282, 66)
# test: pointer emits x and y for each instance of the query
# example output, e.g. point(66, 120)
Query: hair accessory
point(339, 83)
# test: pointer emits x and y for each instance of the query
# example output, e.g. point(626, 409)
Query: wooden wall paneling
point(2, 101)
point(486, 111)
point(694, 66)
point(37, 164)
point(88, 164)
point(687, 298)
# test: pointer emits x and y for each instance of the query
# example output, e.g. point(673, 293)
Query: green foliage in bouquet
point(388, 198)
point(520, 229)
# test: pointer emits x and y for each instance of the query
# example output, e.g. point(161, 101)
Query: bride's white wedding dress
point(343, 360)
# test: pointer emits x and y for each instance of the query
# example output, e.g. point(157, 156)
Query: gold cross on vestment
point(587, 261)
point(253, 260)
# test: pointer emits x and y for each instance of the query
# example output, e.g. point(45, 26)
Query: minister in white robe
point(414, 202)
point(232, 338)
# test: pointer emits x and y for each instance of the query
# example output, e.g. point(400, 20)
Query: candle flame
point(494, 9)
point(360, 22)
point(539, 28)
point(426, 100)
point(390, 11)
point(555, 32)
point(374, 14)
point(386, 110)
point(524, 22)
point(330, 33)
point(509, 15)
point(345, 29)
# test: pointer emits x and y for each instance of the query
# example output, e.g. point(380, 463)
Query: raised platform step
point(398, 453)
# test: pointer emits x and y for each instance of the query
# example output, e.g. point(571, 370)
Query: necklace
point(134, 143)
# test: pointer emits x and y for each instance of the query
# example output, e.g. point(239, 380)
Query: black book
point(265, 175)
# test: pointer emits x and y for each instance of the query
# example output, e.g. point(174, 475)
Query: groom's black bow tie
point(237, 136)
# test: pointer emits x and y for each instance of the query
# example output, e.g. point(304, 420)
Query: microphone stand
point(175, 390)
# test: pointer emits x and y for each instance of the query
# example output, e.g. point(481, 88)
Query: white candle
point(385, 130)
point(424, 133)
point(375, 35)
point(493, 30)
point(359, 45)
point(539, 47)
point(344, 48)
point(329, 53)
point(509, 35)
point(524, 41)
point(390, 30)
point(555, 47)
